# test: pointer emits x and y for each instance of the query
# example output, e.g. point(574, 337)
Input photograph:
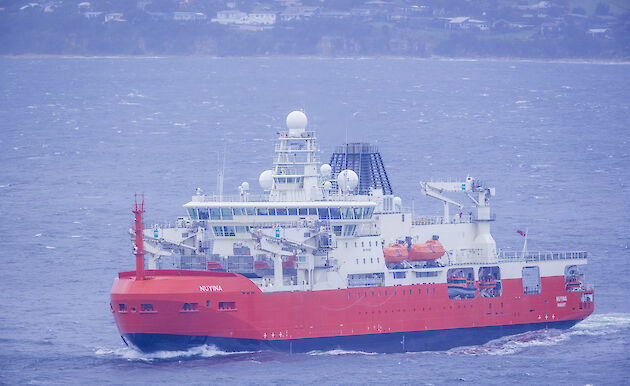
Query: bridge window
point(357, 213)
point(303, 211)
point(218, 231)
point(193, 213)
point(251, 211)
point(335, 213)
point(323, 213)
point(262, 211)
point(203, 213)
point(226, 213)
point(347, 213)
point(272, 211)
point(215, 214)
point(281, 212)
point(348, 230)
point(312, 211)
point(292, 211)
point(239, 211)
point(228, 231)
point(531, 280)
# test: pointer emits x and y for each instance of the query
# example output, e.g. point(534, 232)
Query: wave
point(340, 352)
point(595, 325)
point(130, 354)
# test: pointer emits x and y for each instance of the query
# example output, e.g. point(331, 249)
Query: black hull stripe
point(413, 341)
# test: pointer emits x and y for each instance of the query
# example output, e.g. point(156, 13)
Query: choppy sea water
point(80, 136)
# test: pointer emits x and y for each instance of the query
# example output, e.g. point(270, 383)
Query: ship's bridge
point(274, 210)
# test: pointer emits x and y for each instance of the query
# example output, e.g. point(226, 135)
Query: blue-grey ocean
point(80, 136)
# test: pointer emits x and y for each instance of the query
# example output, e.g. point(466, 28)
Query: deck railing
point(433, 220)
point(542, 256)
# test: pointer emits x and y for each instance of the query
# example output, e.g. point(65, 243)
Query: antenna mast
point(138, 249)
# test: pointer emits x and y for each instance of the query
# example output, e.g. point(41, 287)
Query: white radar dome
point(296, 122)
point(325, 170)
point(397, 202)
point(327, 186)
point(347, 180)
point(245, 185)
point(266, 179)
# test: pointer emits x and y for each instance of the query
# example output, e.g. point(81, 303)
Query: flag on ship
point(520, 232)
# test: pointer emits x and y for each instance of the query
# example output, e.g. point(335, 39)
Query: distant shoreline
point(311, 57)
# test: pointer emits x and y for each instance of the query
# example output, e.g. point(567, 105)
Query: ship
point(327, 257)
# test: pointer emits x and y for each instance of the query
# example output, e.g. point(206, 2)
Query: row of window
point(369, 243)
point(289, 180)
point(395, 293)
point(359, 213)
point(187, 307)
point(228, 231)
point(378, 260)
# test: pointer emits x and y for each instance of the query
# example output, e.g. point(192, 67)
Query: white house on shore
point(233, 16)
point(188, 16)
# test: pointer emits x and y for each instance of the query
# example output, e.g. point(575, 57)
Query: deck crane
point(470, 185)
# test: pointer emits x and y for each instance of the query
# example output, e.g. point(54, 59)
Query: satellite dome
point(325, 170)
point(347, 180)
point(327, 186)
point(397, 202)
point(296, 122)
point(245, 185)
point(266, 179)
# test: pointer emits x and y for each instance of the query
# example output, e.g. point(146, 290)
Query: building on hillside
point(189, 16)
point(298, 13)
point(230, 16)
point(114, 16)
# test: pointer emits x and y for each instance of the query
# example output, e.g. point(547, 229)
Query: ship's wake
point(341, 352)
point(130, 354)
point(595, 325)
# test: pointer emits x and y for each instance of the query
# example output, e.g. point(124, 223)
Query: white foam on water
point(595, 325)
point(130, 354)
point(601, 324)
point(340, 352)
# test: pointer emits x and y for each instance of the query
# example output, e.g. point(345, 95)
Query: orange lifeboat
point(397, 253)
point(261, 265)
point(213, 266)
point(430, 250)
point(290, 262)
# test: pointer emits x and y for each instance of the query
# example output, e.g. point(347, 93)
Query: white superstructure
point(311, 230)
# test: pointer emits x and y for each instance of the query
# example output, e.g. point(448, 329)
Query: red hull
point(226, 305)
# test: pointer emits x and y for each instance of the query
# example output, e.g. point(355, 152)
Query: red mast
point(139, 248)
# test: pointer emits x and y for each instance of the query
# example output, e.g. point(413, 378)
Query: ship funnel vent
point(365, 160)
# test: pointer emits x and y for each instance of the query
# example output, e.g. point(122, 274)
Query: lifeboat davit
point(430, 250)
point(397, 253)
